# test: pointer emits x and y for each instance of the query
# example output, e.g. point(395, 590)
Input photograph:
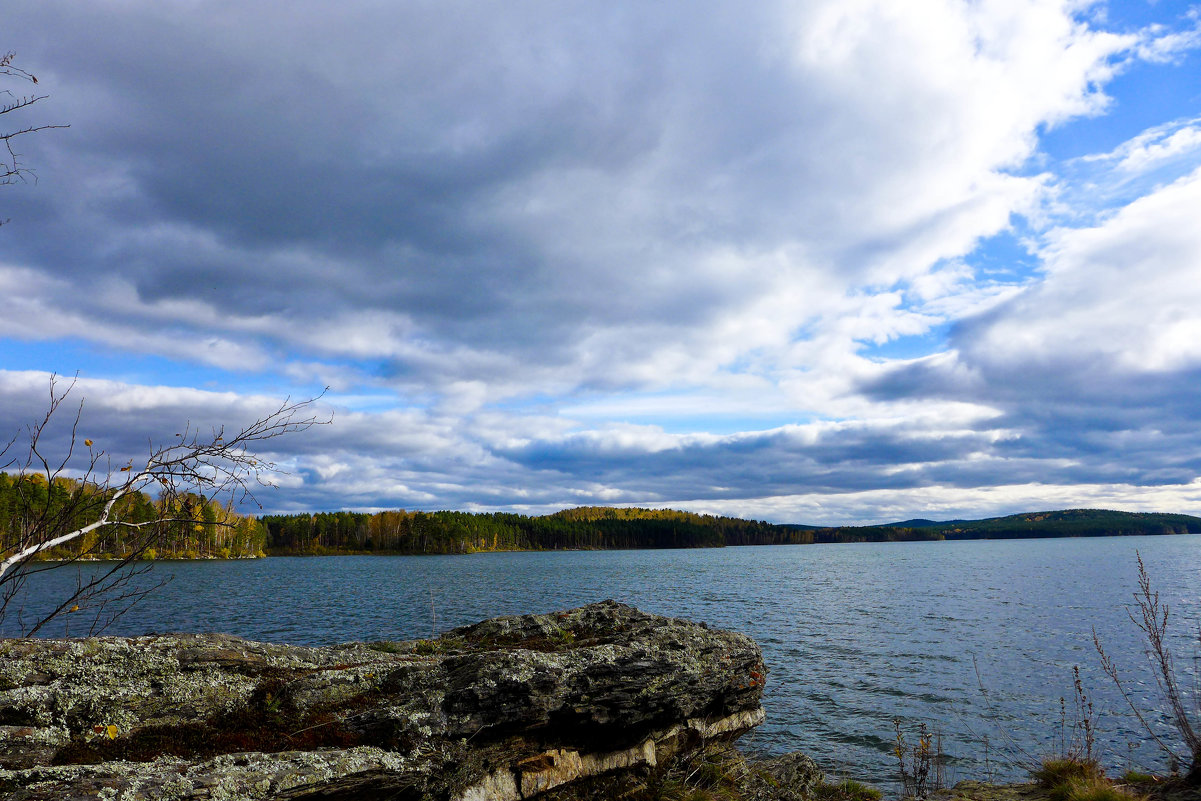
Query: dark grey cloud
point(1117, 425)
point(494, 213)
point(503, 177)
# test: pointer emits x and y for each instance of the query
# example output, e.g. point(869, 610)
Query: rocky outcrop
point(506, 709)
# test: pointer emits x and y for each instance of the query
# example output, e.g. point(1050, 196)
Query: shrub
point(1075, 762)
point(1072, 779)
point(1152, 620)
point(1058, 775)
point(919, 761)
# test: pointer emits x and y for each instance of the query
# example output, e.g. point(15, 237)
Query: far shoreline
point(272, 554)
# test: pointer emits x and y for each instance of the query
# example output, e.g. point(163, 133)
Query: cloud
point(1098, 362)
point(951, 503)
point(1122, 293)
point(550, 254)
point(536, 190)
point(1155, 147)
point(1095, 186)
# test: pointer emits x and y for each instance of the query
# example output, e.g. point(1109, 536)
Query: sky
point(820, 262)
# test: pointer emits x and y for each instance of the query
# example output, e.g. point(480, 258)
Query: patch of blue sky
point(1005, 257)
point(803, 332)
point(1143, 95)
point(90, 360)
point(68, 357)
point(372, 401)
point(1127, 16)
point(748, 363)
point(1091, 187)
point(914, 346)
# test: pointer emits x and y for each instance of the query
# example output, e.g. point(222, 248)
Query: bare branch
point(57, 507)
point(1152, 620)
point(1111, 670)
point(12, 168)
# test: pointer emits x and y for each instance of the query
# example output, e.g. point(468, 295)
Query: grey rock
point(505, 709)
point(790, 777)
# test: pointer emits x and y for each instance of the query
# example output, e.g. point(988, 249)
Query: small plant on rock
point(1076, 741)
point(1075, 773)
point(921, 765)
point(1059, 775)
point(563, 638)
point(1075, 779)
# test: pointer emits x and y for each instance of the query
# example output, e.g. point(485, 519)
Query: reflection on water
point(854, 635)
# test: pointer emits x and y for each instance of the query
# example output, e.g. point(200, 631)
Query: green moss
point(430, 647)
point(563, 637)
point(427, 647)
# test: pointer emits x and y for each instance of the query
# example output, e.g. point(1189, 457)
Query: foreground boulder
point(506, 709)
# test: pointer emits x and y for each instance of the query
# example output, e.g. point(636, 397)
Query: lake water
point(854, 635)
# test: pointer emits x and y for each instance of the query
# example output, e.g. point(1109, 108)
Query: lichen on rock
point(512, 707)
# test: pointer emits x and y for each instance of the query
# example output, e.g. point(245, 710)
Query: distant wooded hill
point(200, 535)
point(602, 528)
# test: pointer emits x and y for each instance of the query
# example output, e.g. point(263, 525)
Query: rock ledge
point(505, 709)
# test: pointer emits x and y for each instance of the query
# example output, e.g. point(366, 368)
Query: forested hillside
point(208, 530)
point(605, 528)
point(1068, 523)
point(461, 532)
point(199, 527)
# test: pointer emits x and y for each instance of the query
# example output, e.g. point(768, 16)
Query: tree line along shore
point(202, 528)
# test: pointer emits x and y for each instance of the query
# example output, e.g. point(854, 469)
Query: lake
point(854, 635)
